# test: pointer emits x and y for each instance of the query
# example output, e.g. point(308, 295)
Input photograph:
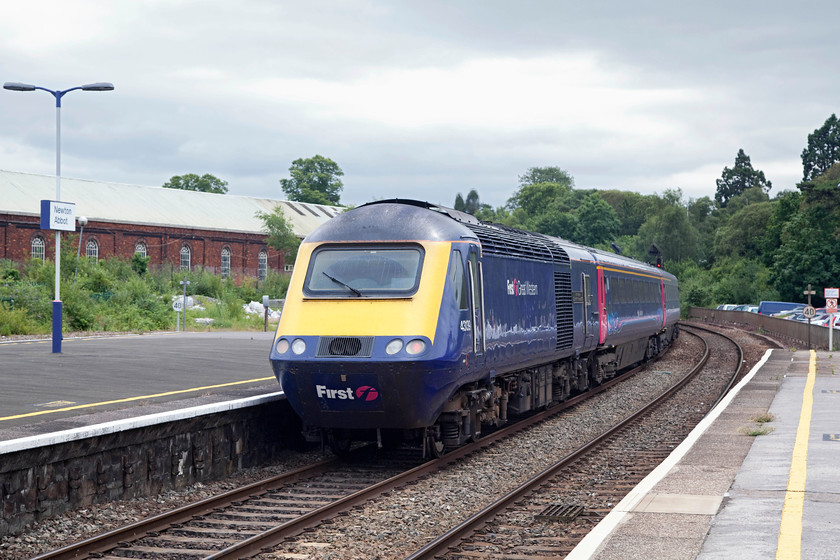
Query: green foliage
point(536, 175)
point(597, 221)
point(110, 295)
point(275, 285)
point(139, 264)
point(192, 182)
point(8, 271)
point(471, 205)
point(741, 177)
point(17, 320)
point(281, 236)
point(314, 180)
point(823, 149)
point(745, 233)
point(80, 310)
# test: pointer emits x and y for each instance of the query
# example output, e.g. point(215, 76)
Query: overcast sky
point(420, 99)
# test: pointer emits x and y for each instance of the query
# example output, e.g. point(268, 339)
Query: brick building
point(217, 232)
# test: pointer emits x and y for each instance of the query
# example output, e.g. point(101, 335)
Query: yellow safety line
point(789, 546)
point(129, 399)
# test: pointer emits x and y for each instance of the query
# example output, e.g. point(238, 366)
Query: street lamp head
point(98, 86)
point(82, 220)
point(17, 86)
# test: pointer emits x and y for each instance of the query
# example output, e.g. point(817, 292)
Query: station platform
point(113, 380)
point(757, 479)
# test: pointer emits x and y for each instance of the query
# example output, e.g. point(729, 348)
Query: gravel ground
point(397, 524)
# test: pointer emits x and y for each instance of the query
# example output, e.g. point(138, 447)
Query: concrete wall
point(793, 332)
point(41, 482)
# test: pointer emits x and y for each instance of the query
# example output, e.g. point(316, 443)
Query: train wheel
point(339, 443)
point(436, 447)
point(596, 372)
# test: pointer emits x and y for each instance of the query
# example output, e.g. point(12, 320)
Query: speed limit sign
point(809, 312)
point(831, 306)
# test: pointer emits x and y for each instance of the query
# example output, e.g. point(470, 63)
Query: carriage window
point(377, 271)
point(459, 280)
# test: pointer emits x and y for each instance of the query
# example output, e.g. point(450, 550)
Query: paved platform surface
point(97, 380)
point(728, 493)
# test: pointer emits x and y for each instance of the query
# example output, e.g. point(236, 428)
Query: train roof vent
point(497, 239)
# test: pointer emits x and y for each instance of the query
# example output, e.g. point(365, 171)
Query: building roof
point(21, 193)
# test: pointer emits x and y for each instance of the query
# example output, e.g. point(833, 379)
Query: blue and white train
point(408, 320)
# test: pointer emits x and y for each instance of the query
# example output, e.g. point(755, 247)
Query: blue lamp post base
point(56, 327)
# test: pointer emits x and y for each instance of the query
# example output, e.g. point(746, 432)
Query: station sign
point(58, 215)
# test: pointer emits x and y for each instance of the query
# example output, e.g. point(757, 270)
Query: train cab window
point(459, 280)
point(372, 271)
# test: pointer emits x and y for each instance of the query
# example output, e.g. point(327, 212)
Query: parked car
point(774, 308)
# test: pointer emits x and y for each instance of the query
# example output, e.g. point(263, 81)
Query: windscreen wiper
point(339, 282)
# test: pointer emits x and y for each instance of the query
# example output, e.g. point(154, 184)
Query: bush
point(17, 321)
point(80, 311)
point(122, 295)
point(275, 285)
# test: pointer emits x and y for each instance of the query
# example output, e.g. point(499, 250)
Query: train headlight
point(415, 347)
point(298, 346)
point(282, 346)
point(393, 347)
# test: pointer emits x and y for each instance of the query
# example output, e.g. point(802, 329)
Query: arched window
point(140, 249)
point(92, 250)
point(185, 257)
point(225, 262)
point(263, 270)
point(38, 248)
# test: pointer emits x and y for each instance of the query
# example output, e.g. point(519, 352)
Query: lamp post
point(58, 94)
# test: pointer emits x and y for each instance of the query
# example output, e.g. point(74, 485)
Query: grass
point(760, 428)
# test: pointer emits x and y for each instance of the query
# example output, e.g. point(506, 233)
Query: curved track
point(247, 521)
point(539, 508)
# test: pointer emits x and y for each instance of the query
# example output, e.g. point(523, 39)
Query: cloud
point(422, 99)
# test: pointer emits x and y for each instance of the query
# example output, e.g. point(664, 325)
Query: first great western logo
point(363, 393)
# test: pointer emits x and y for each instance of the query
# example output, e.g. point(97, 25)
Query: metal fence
point(793, 332)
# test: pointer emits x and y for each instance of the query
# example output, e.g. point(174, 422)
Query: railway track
point(256, 518)
point(548, 515)
point(243, 522)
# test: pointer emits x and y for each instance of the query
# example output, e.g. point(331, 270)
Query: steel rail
point(737, 373)
point(260, 542)
point(112, 539)
point(457, 533)
point(263, 541)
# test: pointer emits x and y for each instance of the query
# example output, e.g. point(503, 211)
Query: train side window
point(459, 280)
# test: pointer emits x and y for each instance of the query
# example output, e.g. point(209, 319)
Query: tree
point(823, 149)
point(536, 198)
point(632, 209)
point(314, 180)
point(471, 205)
point(739, 178)
point(536, 175)
point(671, 230)
point(597, 221)
point(744, 233)
point(192, 182)
point(280, 234)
